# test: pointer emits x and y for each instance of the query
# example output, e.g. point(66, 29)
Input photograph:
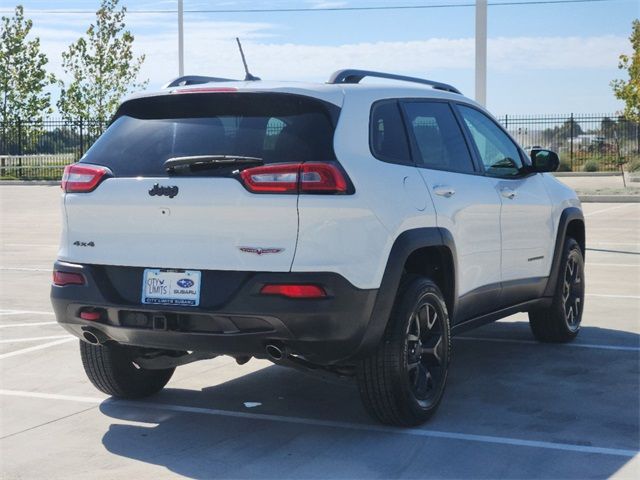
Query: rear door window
point(438, 137)
point(273, 127)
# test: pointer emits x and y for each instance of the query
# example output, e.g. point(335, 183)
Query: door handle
point(508, 193)
point(444, 191)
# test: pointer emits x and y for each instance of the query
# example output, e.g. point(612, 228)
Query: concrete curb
point(586, 174)
point(30, 182)
point(609, 198)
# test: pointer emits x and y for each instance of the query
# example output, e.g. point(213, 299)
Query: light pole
point(481, 51)
point(180, 38)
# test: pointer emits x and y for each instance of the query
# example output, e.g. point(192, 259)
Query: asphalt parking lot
point(513, 408)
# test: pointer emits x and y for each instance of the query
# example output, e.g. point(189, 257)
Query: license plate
point(171, 287)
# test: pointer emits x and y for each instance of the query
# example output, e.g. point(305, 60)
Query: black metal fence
point(587, 142)
point(33, 149)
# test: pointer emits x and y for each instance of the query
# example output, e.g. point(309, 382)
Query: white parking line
point(568, 447)
point(27, 269)
point(31, 324)
point(33, 339)
point(604, 295)
point(636, 265)
point(608, 209)
point(24, 312)
point(37, 347)
point(633, 244)
point(568, 345)
point(30, 244)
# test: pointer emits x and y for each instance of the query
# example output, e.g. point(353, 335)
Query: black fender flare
point(405, 244)
point(568, 215)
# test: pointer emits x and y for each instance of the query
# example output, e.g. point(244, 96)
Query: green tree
point(570, 127)
point(23, 78)
point(629, 90)
point(607, 127)
point(101, 66)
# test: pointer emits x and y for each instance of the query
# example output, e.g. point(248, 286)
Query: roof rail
point(194, 80)
point(354, 76)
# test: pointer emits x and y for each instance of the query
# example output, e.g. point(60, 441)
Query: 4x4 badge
point(78, 243)
point(260, 251)
point(170, 192)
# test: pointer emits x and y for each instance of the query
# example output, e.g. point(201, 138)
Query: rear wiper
point(209, 161)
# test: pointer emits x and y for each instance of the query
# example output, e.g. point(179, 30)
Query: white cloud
point(207, 52)
point(557, 52)
point(203, 41)
point(327, 4)
point(210, 49)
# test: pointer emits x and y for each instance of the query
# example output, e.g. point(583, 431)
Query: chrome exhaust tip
point(90, 338)
point(94, 336)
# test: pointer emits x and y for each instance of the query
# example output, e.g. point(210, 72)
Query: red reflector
point(67, 278)
point(83, 177)
point(294, 291)
point(205, 90)
point(311, 177)
point(92, 316)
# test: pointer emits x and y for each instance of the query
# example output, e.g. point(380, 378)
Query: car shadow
point(550, 393)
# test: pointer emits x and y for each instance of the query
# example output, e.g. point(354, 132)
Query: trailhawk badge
point(260, 251)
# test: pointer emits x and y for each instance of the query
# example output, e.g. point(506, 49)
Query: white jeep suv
point(339, 228)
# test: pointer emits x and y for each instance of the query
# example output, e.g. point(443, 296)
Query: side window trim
point(413, 145)
point(407, 135)
point(411, 160)
point(476, 153)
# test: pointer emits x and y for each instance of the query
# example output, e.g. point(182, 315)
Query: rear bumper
point(233, 318)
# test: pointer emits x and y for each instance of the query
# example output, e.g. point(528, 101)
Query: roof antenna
point(248, 77)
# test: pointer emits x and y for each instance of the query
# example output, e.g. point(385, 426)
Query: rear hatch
point(200, 214)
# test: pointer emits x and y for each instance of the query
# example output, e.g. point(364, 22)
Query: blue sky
point(541, 58)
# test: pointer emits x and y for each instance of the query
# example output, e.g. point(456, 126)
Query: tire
point(402, 382)
point(561, 321)
point(112, 371)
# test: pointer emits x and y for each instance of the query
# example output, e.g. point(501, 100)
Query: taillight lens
point(62, 279)
point(321, 177)
point(276, 178)
point(83, 177)
point(311, 177)
point(294, 290)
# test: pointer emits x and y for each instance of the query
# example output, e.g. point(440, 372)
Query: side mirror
point(544, 160)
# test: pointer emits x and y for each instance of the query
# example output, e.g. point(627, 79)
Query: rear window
point(387, 136)
point(274, 127)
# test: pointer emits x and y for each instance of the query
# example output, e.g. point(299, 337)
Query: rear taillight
point(83, 177)
point(276, 178)
point(321, 177)
point(294, 290)
point(62, 279)
point(311, 177)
